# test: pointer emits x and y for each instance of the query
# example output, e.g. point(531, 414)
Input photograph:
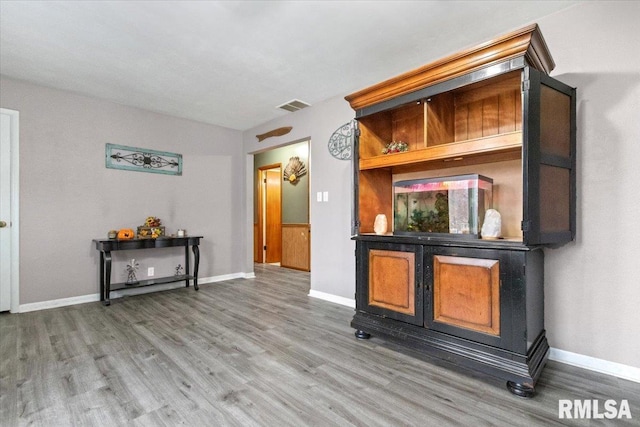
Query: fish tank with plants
point(452, 206)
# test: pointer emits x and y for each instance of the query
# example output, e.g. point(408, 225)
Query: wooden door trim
point(273, 219)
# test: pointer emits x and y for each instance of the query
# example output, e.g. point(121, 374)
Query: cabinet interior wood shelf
point(480, 150)
point(477, 123)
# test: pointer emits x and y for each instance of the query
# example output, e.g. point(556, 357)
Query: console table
point(106, 246)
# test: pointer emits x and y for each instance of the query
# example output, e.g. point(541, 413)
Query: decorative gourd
point(126, 234)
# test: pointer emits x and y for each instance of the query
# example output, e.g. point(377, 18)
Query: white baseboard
point(333, 298)
point(224, 277)
point(63, 302)
point(598, 365)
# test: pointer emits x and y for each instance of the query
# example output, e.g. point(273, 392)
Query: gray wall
point(591, 285)
point(295, 197)
point(68, 197)
point(332, 261)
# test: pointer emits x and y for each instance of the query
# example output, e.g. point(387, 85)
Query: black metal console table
point(106, 246)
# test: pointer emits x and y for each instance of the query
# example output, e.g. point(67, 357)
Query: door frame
point(14, 229)
point(261, 214)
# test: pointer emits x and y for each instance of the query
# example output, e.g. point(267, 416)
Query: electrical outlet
point(150, 272)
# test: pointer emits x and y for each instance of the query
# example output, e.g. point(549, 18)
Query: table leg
point(196, 264)
point(186, 264)
point(101, 276)
point(107, 278)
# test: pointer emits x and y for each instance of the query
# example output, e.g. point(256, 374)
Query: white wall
point(68, 196)
point(592, 291)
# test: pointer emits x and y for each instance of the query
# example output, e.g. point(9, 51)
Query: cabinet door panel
point(470, 292)
point(389, 281)
point(466, 293)
point(392, 280)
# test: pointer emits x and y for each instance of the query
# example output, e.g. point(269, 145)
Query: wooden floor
point(251, 352)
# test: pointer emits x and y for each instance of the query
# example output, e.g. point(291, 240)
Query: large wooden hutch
point(490, 110)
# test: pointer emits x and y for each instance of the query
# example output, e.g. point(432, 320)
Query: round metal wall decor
point(341, 142)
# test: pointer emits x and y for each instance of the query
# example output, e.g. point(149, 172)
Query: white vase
point(380, 224)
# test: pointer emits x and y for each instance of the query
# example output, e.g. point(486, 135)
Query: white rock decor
point(380, 224)
point(492, 227)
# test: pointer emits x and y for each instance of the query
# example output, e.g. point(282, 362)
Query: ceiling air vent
point(294, 105)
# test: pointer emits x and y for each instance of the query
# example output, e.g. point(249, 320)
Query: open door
point(270, 215)
point(549, 160)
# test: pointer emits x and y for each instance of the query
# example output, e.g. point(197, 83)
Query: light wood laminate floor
point(252, 352)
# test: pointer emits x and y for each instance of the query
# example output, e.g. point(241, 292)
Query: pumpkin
point(126, 234)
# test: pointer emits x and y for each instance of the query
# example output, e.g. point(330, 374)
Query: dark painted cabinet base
point(521, 372)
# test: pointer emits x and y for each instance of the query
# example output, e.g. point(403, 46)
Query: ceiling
point(231, 63)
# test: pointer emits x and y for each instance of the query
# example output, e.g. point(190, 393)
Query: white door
point(8, 269)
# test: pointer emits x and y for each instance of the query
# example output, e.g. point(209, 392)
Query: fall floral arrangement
point(151, 229)
point(395, 147)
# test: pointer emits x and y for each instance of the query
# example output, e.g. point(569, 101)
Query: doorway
point(270, 214)
point(290, 228)
point(9, 299)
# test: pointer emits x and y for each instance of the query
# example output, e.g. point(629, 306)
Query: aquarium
point(452, 205)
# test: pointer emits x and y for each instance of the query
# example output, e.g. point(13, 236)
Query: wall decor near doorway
point(276, 132)
point(142, 160)
point(341, 142)
point(294, 170)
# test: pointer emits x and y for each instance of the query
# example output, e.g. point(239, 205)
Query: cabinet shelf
point(504, 143)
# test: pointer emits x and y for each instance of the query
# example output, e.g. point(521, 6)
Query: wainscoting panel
point(296, 246)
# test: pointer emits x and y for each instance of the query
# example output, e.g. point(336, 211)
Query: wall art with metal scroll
point(341, 141)
point(142, 160)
